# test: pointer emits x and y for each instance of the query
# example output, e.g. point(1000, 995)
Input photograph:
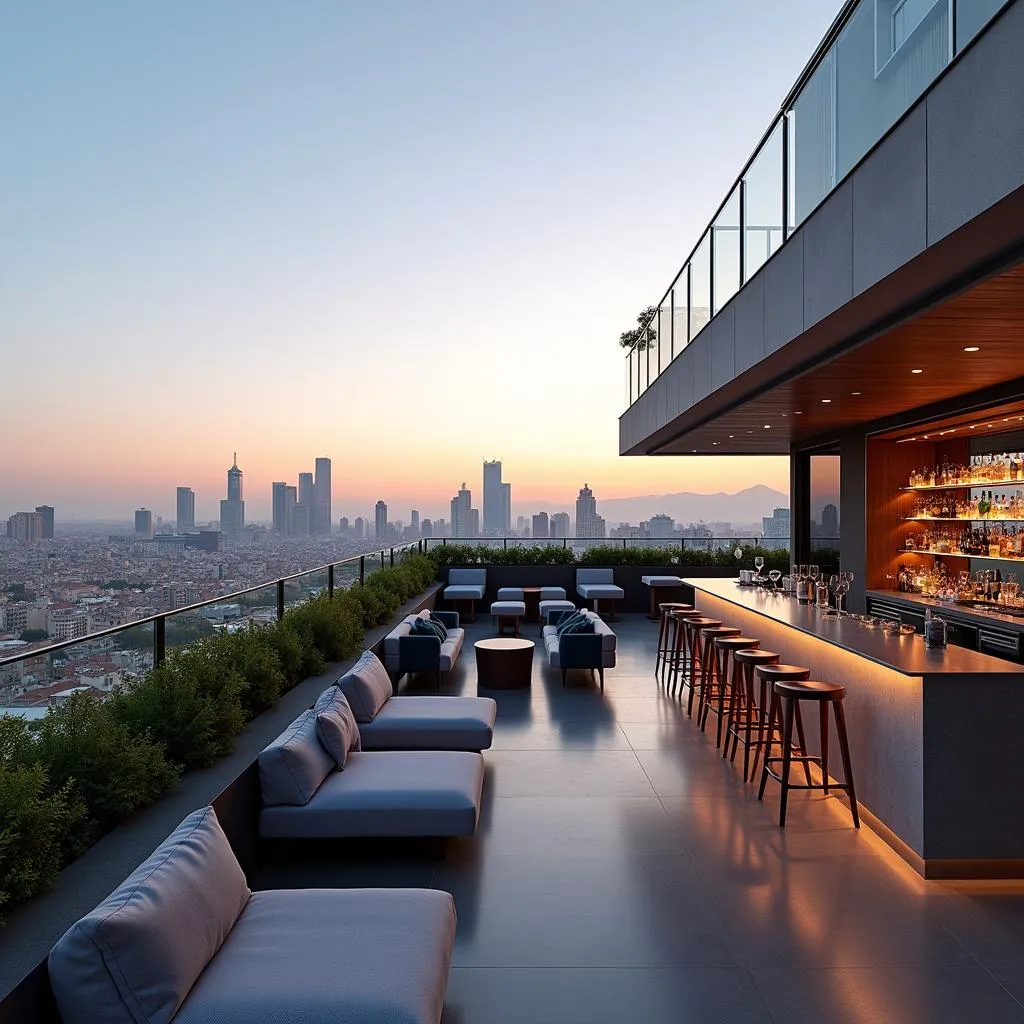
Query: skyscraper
point(497, 500)
point(232, 508)
point(588, 522)
point(279, 506)
point(380, 520)
point(559, 525)
point(185, 502)
point(540, 525)
point(465, 518)
point(144, 523)
point(830, 521)
point(320, 520)
point(46, 511)
point(25, 527)
point(306, 489)
point(359, 527)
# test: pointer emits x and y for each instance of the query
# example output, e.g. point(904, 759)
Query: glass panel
point(888, 53)
point(663, 334)
point(971, 18)
point(727, 251)
point(824, 501)
point(762, 197)
point(681, 318)
point(700, 286)
point(812, 140)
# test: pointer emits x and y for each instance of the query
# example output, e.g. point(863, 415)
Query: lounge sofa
point(405, 652)
point(599, 585)
point(593, 650)
point(378, 793)
point(466, 587)
point(184, 940)
point(387, 722)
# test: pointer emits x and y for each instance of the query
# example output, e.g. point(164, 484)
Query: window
point(906, 16)
point(897, 21)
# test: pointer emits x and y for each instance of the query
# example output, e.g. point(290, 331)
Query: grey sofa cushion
point(388, 793)
point(336, 726)
point(295, 764)
point(467, 577)
point(309, 956)
point(367, 686)
point(432, 723)
point(136, 956)
point(450, 649)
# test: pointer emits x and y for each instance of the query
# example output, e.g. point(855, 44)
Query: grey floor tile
point(523, 911)
point(990, 923)
point(690, 771)
point(601, 996)
point(559, 734)
point(887, 995)
point(567, 773)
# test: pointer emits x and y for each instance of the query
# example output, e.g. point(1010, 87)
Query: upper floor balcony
point(890, 180)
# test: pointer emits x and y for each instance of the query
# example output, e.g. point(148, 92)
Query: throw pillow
point(336, 725)
point(568, 622)
point(367, 687)
point(442, 628)
point(425, 627)
point(579, 624)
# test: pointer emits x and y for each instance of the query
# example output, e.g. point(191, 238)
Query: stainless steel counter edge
point(904, 654)
point(976, 616)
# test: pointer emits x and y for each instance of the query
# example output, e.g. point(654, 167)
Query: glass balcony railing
point(878, 58)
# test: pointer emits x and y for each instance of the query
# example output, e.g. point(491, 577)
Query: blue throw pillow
point(423, 627)
point(442, 629)
point(571, 623)
point(578, 625)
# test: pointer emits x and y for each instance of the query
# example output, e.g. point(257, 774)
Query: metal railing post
point(382, 558)
point(280, 599)
point(565, 542)
point(362, 569)
point(504, 543)
point(330, 581)
point(159, 640)
point(392, 558)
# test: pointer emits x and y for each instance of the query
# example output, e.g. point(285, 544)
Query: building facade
point(232, 508)
point(185, 509)
point(320, 519)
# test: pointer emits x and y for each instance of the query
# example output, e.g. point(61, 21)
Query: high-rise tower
point(185, 504)
point(320, 521)
point(497, 500)
point(46, 511)
point(588, 522)
point(380, 520)
point(232, 508)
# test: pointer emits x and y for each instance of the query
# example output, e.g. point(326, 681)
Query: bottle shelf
point(960, 519)
point(978, 485)
point(960, 554)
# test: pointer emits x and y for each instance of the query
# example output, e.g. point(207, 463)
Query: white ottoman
point(508, 613)
point(553, 606)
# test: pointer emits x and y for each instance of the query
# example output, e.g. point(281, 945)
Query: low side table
point(504, 663)
point(659, 585)
point(531, 598)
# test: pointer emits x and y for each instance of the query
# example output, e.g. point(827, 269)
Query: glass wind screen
point(971, 18)
point(681, 314)
point(727, 251)
point(700, 286)
point(663, 335)
point(812, 140)
point(762, 229)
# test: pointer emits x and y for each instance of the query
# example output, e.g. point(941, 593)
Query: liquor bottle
point(997, 586)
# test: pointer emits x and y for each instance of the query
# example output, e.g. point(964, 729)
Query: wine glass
point(759, 565)
point(775, 575)
point(842, 589)
point(833, 585)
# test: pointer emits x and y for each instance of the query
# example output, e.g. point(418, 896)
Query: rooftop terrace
point(623, 871)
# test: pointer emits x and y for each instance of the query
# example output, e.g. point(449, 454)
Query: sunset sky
point(404, 235)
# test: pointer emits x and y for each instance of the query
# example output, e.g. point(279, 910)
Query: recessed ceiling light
point(749, 431)
point(800, 413)
point(917, 371)
point(732, 436)
point(694, 451)
point(826, 401)
point(855, 393)
point(972, 428)
point(714, 442)
point(971, 348)
point(767, 426)
point(926, 437)
point(990, 424)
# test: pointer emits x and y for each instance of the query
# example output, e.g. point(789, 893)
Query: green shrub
point(397, 581)
point(328, 625)
point(367, 604)
point(251, 652)
point(39, 830)
point(113, 768)
point(191, 703)
point(298, 660)
point(445, 556)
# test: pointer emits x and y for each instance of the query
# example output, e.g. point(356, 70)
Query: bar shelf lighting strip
point(961, 519)
point(977, 485)
point(960, 554)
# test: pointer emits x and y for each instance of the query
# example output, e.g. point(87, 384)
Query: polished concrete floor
point(622, 871)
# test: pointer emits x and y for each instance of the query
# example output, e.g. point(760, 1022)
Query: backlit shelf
point(960, 554)
point(977, 485)
point(960, 519)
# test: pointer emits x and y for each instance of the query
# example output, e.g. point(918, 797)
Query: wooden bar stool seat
point(667, 628)
point(749, 712)
point(691, 637)
point(782, 673)
point(719, 698)
point(709, 663)
point(787, 695)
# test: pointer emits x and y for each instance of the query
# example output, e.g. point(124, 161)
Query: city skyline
point(167, 247)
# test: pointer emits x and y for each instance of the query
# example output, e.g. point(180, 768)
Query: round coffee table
point(504, 663)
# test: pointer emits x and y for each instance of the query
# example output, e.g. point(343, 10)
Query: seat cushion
point(336, 726)
point(362, 956)
point(367, 686)
point(295, 764)
point(594, 576)
point(510, 593)
point(552, 593)
point(388, 793)
point(600, 591)
point(467, 577)
point(608, 638)
point(136, 956)
point(464, 592)
point(450, 649)
point(432, 723)
point(508, 608)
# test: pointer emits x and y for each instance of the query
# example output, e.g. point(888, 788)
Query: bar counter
point(934, 735)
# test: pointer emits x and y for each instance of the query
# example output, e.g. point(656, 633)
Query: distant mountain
point(742, 508)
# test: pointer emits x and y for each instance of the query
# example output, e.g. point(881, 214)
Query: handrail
point(161, 617)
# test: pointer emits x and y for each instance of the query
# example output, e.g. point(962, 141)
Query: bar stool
point(665, 627)
point(709, 667)
point(779, 673)
point(786, 698)
point(679, 656)
point(692, 628)
point(727, 689)
point(755, 710)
